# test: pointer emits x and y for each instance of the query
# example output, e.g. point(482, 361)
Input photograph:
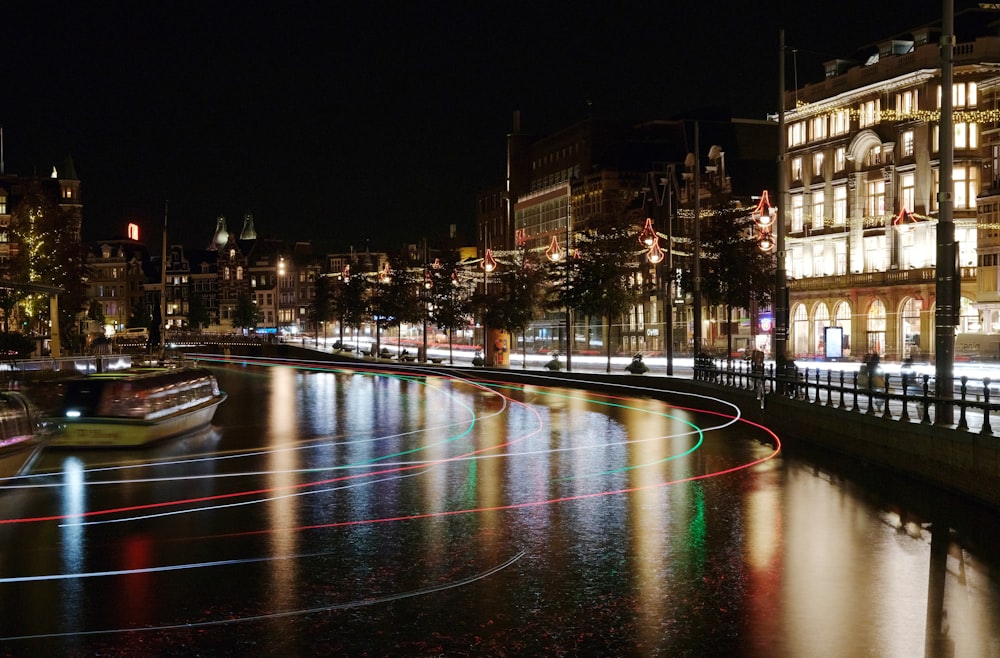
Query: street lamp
point(556, 254)
point(663, 191)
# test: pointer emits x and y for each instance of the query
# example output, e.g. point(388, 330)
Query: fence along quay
point(892, 423)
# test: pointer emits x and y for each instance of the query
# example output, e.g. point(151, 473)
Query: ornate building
point(862, 172)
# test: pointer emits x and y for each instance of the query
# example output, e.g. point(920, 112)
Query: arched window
point(800, 330)
point(876, 327)
point(909, 326)
point(821, 320)
point(842, 319)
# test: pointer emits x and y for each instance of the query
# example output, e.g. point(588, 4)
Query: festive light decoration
point(489, 262)
point(647, 236)
point(386, 274)
point(655, 254)
point(554, 253)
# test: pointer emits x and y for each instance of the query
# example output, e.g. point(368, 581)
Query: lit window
point(818, 164)
point(966, 186)
point(840, 122)
point(873, 157)
point(907, 146)
point(797, 206)
point(875, 202)
point(906, 103)
point(907, 195)
point(870, 113)
point(797, 134)
point(966, 136)
point(840, 205)
point(818, 259)
point(3, 203)
point(840, 159)
point(819, 127)
point(796, 168)
point(818, 210)
point(963, 95)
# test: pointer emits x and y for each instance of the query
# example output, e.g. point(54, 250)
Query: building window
point(839, 205)
point(907, 143)
point(3, 203)
point(873, 157)
point(875, 201)
point(874, 253)
point(906, 104)
point(818, 164)
point(966, 186)
point(818, 210)
point(963, 95)
point(797, 207)
point(869, 113)
point(840, 122)
point(907, 194)
point(819, 262)
point(797, 134)
point(818, 127)
point(796, 261)
point(840, 159)
point(840, 257)
point(966, 136)
point(796, 169)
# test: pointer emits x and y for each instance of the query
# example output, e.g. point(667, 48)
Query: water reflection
point(343, 512)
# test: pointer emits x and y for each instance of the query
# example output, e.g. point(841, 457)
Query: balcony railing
point(872, 279)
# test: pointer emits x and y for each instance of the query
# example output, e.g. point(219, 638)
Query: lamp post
point(556, 254)
point(488, 264)
point(663, 190)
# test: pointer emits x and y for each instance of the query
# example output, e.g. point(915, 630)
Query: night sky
point(338, 122)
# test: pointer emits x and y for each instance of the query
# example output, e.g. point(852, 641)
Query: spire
point(248, 232)
point(221, 236)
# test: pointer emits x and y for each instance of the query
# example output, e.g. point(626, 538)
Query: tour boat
point(20, 438)
point(135, 407)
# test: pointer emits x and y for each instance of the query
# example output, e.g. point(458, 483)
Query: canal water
point(342, 513)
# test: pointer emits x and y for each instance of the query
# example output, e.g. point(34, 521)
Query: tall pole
point(780, 303)
point(163, 280)
point(696, 296)
point(668, 307)
point(948, 284)
point(569, 311)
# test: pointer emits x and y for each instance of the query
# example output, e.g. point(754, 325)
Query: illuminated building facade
point(862, 173)
point(599, 171)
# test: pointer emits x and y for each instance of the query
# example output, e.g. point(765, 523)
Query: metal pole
point(696, 297)
point(948, 284)
point(780, 303)
point(569, 311)
point(668, 308)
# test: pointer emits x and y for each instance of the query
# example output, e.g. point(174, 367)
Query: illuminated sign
point(133, 231)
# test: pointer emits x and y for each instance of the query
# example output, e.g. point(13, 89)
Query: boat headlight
point(72, 413)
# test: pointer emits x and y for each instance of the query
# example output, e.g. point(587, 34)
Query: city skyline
point(341, 124)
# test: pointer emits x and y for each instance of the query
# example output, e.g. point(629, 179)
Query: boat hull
point(108, 432)
point(16, 458)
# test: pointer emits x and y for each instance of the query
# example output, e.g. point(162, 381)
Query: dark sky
point(342, 121)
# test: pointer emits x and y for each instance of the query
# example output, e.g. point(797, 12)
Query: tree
point(246, 315)
point(734, 271)
point(322, 310)
point(449, 300)
point(51, 254)
point(599, 280)
point(397, 300)
point(350, 302)
point(515, 297)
